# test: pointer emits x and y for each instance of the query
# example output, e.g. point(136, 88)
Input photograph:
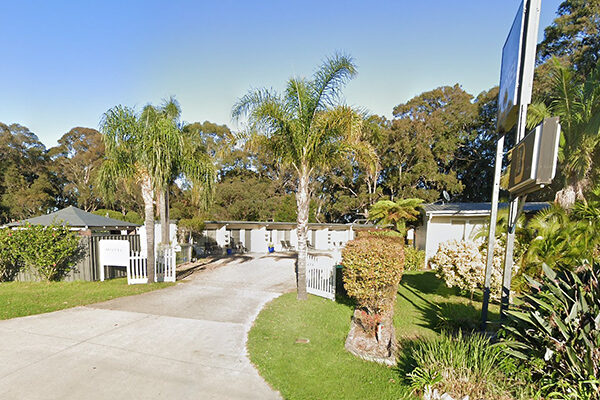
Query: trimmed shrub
point(414, 259)
point(556, 331)
point(10, 264)
point(50, 251)
point(373, 268)
point(378, 233)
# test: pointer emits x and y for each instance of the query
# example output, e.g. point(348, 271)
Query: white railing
point(320, 276)
point(164, 267)
point(164, 270)
point(137, 271)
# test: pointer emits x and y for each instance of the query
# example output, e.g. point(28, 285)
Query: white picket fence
point(164, 267)
point(320, 276)
point(164, 270)
point(137, 272)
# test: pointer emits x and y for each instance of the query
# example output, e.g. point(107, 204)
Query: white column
point(321, 239)
point(258, 240)
point(243, 237)
point(294, 238)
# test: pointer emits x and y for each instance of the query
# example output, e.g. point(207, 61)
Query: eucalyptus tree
point(577, 103)
point(305, 128)
point(151, 148)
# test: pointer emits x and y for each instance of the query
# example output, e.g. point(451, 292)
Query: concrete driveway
point(183, 342)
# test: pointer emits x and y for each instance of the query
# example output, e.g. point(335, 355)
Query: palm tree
point(150, 148)
point(185, 157)
point(396, 213)
point(578, 106)
point(306, 129)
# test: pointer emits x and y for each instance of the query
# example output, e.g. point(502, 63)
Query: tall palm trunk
point(148, 196)
point(165, 238)
point(571, 192)
point(303, 202)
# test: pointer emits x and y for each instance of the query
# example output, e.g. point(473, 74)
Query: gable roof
point(476, 208)
point(76, 218)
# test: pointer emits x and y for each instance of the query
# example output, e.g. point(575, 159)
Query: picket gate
point(164, 270)
point(320, 276)
point(137, 272)
point(164, 267)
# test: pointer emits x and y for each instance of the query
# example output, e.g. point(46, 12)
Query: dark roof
point(477, 208)
point(275, 224)
point(76, 218)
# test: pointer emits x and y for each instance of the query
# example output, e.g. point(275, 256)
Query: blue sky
point(64, 63)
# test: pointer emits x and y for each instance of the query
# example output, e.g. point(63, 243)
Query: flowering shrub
point(50, 251)
point(373, 268)
point(461, 264)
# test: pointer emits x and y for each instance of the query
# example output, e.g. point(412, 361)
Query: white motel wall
point(255, 237)
point(460, 221)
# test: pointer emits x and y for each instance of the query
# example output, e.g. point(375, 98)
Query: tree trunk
point(303, 203)
point(164, 218)
point(370, 343)
point(148, 196)
point(572, 192)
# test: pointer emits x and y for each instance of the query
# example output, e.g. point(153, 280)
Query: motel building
point(441, 222)
point(257, 237)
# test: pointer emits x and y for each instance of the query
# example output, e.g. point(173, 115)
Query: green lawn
point(322, 369)
point(18, 299)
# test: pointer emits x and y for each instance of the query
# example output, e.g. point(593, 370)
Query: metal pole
point(513, 216)
point(492, 231)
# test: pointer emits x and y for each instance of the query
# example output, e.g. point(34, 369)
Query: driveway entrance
point(183, 342)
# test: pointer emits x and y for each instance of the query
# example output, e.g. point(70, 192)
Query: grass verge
point(18, 299)
point(322, 369)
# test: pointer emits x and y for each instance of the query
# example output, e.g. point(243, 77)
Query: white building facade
point(257, 237)
point(460, 221)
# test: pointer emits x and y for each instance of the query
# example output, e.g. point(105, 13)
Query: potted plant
point(271, 247)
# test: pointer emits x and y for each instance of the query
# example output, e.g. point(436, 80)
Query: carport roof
point(476, 208)
point(76, 218)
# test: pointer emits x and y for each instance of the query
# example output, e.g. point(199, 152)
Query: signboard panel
point(534, 158)
point(518, 64)
point(510, 71)
point(113, 252)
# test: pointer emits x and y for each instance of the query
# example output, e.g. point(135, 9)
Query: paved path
point(183, 342)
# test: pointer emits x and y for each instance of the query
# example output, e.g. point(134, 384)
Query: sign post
point(516, 82)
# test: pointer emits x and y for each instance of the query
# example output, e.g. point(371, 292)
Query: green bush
point(10, 264)
point(131, 216)
point(373, 268)
point(49, 251)
point(379, 233)
point(460, 366)
point(414, 259)
point(556, 331)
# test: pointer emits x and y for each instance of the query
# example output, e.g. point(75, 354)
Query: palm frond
point(536, 113)
point(328, 80)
